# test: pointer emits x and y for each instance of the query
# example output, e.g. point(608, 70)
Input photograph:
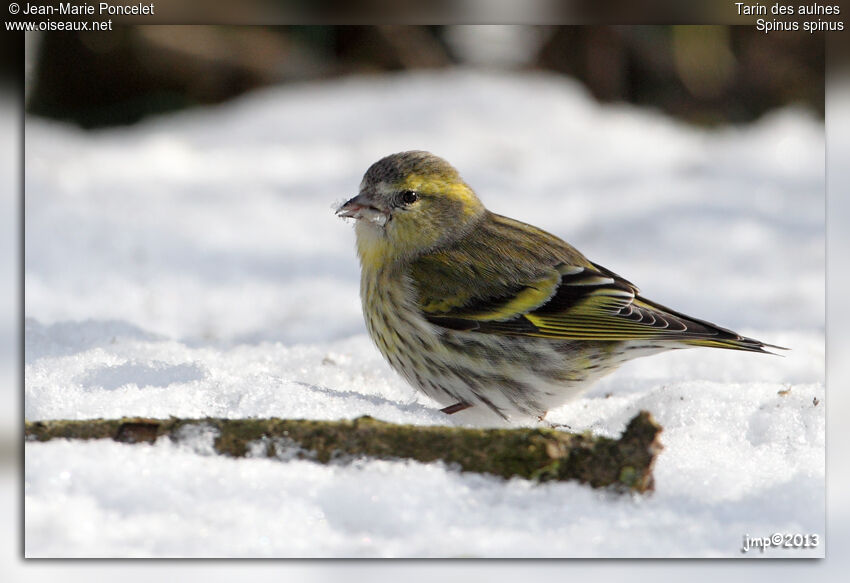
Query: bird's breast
point(392, 318)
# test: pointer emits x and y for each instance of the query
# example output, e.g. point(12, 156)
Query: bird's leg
point(455, 408)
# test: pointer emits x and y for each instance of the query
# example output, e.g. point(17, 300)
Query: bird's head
point(410, 203)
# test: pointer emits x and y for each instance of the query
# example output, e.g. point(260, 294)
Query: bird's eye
point(409, 197)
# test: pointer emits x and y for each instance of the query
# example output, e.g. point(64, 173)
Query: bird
point(485, 313)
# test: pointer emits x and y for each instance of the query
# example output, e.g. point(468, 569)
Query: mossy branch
point(539, 454)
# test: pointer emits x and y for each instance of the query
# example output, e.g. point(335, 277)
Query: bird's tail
point(737, 343)
point(704, 333)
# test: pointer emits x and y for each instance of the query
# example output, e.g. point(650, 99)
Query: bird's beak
point(363, 206)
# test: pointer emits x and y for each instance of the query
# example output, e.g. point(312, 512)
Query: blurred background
point(702, 74)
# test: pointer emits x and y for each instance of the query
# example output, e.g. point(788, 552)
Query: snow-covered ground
point(192, 266)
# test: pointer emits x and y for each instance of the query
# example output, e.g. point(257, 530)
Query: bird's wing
point(504, 293)
point(564, 301)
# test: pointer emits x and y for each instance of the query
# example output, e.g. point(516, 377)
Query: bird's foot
point(550, 425)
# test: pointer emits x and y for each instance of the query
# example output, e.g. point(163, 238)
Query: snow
point(192, 266)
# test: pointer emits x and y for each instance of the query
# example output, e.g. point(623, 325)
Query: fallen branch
point(537, 454)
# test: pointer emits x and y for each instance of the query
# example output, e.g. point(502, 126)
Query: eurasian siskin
point(479, 310)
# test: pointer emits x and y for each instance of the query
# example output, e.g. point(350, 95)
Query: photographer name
point(69, 9)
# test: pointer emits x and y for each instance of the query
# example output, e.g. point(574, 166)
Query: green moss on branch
point(537, 454)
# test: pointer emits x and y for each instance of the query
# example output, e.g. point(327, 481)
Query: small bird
point(481, 311)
